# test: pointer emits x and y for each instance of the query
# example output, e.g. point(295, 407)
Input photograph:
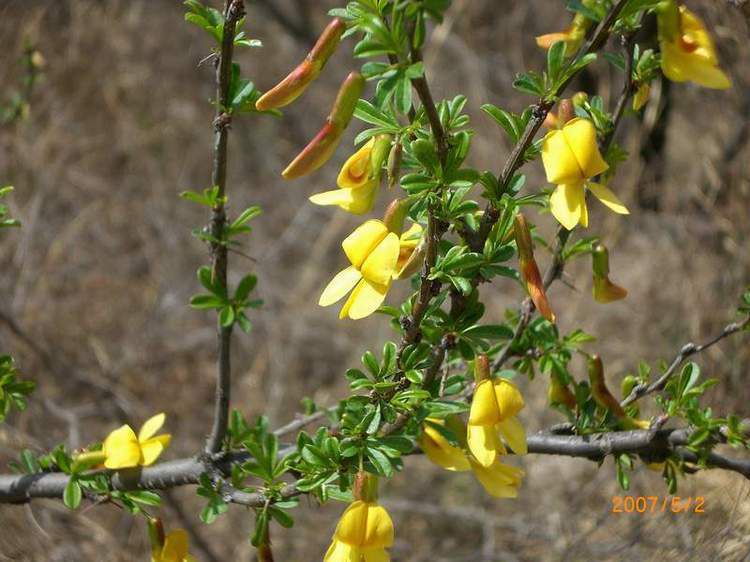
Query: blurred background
point(94, 287)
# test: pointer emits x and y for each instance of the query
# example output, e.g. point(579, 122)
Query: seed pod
point(297, 81)
point(324, 144)
point(529, 269)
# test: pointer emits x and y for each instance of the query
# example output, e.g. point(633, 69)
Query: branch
point(687, 350)
point(182, 472)
point(234, 11)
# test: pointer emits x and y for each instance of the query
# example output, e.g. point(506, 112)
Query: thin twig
point(235, 10)
point(687, 350)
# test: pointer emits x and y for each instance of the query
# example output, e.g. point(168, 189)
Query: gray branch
point(648, 443)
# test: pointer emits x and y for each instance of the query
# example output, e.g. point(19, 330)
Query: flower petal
point(364, 300)
point(376, 555)
point(358, 245)
point(357, 169)
point(497, 480)
point(484, 408)
point(484, 443)
point(605, 195)
point(380, 265)
point(152, 448)
point(441, 452)
point(357, 201)
point(581, 136)
point(342, 552)
point(352, 524)
point(514, 434)
point(151, 426)
point(340, 285)
point(379, 528)
point(121, 448)
point(509, 398)
point(175, 546)
point(560, 163)
point(568, 204)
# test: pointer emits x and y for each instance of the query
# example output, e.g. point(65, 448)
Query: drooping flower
point(687, 50)
point(641, 96)
point(297, 81)
point(573, 36)
point(170, 548)
point(571, 158)
point(606, 400)
point(493, 414)
point(123, 449)
point(359, 178)
point(499, 480)
point(373, 252)
point(320, 149)
point(364, 531)
point(604, 290)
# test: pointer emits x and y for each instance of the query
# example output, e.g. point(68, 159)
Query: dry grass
point(101, 272)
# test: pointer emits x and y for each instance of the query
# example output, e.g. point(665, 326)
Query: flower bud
point(604, 290)
point(481, 368)
point(599, 390)
point(394, 164)
point(627, 385)
point(380, 151)
point(395, 214)
point(529, 269)
point(156, 536)
point(641, 96)
point(294, 85)
point(559, 394)
point(324, 144)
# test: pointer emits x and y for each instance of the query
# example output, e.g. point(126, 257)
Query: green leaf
point(381, 462)
point(72, 494)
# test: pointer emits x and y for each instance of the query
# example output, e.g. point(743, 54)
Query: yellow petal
point(341, 552)
point(509, 398)
point(484, 443)
point(581, 136)
point(605, 195)
point(680, 66)
point(356, 201)
point(441, 452)
point(568, 204)
point(152, 448)
point(121, 448)
point(364, 300)
point(410, 238)
point(514, 434)
point(352, 525)
point(379, 528)
point(175, 546)
point(356, 171)
point(358, 245)
point(375, 555)
point(380, 265)
point(560, 163)
point(484, 408)
point(340, 285)
point(151, 426)
point(499, 480)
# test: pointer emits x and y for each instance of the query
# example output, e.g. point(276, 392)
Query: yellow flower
point(687, 50)
point(571, 157)
point(641, 96)
point(363, 533)
point(410, 252)
point(373, 252)
point(499, 480)
point(493, 413)
point(175, 548)
point(358, 180)
point(122, 449)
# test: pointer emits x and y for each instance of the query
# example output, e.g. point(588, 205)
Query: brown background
point(99, 276)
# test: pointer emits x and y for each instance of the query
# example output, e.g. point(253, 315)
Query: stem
point(234, 10)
